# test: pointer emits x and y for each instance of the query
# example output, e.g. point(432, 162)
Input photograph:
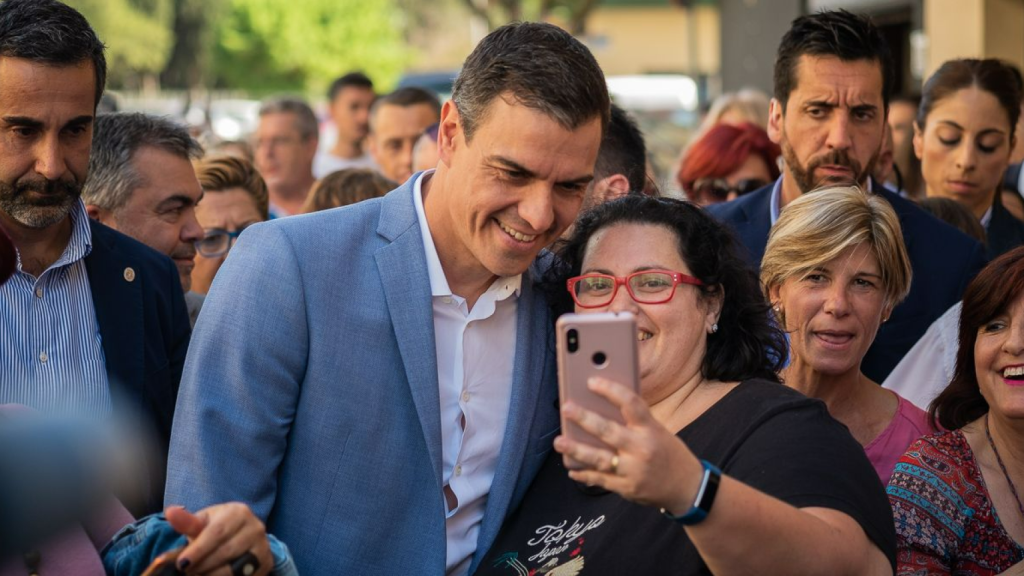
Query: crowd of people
point(334, 360)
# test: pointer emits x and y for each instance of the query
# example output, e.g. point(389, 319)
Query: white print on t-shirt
point(570, 568)
point(557, 539)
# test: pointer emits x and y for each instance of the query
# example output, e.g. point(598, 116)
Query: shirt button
point(458, 470)
point(39, 292)
point(465, 395)
point(447, 300)
point(43, 357)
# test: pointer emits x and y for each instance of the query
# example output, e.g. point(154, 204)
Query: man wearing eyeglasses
point(141, 183)
point(378, 380)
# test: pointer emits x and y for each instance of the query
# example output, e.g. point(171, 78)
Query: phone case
point(606, 346)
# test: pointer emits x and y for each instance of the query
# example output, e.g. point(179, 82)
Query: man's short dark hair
point(410, 96)
point(542, 67)
point(350, 80)
point(844, 35)
point(406, 97)
point(116, 138)
point(623, 151)
point(52, 33)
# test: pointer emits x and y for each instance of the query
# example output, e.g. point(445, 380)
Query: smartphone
point(600, 344)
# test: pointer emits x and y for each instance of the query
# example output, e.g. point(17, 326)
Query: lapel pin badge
point(129, 274)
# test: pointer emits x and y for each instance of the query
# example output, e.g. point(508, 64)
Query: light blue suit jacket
point(310, 392)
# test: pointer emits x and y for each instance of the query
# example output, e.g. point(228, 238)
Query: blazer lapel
point(116, 288)
point(402, 267)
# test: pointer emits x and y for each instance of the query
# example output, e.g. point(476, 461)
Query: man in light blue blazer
point(377, 381)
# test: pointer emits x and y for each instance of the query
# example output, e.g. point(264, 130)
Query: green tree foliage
point(498, 12)
point(275, 45)
point(137, 33)
point(191, 56)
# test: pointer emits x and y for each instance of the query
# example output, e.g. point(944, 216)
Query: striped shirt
point(51, 354)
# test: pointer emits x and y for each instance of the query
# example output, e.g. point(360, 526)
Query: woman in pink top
point(834, 268)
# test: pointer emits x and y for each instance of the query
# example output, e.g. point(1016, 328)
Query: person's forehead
point(406, 120)
point(278, 123)
point(634, 243)
point(972, 108)
point(822, 76)
point(33, 86)
point(353, 93)
point(229, 206)
point(165, 174)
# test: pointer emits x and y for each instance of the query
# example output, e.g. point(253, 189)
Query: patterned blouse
point(945, 522)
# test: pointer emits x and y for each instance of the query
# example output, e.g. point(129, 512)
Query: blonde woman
point(834, 268)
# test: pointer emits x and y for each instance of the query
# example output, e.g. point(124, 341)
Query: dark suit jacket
point(944, 260)
point(1004, 231)
point(145, 330)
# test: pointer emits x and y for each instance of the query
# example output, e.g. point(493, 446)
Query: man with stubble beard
point(92, 322)
point(833, 79)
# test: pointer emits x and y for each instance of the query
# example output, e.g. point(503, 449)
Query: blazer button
point(129, 274)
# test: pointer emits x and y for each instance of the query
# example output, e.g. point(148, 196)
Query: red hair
point(723, 149)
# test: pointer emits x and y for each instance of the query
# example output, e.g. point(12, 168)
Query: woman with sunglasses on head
point(718, 468)
point(834, 268)
point(956, 495)
point(235, 196)
point(727, 162)
point(964, 134)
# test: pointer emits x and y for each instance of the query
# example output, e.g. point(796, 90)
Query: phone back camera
point(572, 338)
point(599, 359)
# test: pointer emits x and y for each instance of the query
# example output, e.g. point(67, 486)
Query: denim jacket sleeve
point(135, 547)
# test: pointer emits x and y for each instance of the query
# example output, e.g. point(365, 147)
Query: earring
point(714, 327)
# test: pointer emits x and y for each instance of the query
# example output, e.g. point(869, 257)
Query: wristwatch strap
point(701, 507)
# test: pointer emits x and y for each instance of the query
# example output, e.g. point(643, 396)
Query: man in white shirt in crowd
point(397, 120)
point(350, 98)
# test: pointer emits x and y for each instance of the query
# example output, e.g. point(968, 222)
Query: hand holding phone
point(600, 344)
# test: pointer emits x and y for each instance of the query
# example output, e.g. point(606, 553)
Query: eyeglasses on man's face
point(217, 242)
point(644, 287)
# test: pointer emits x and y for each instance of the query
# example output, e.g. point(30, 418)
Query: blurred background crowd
point(220, 114)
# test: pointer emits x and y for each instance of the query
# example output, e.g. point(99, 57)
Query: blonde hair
point(818, 226)
point(750, 103)
point(219, 173)
point(346, 187)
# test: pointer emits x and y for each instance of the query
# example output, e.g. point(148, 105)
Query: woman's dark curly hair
point(747, 344)
point(990, 294)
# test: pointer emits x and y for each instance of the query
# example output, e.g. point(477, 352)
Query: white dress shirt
point(928, 367)
point(475, 357)
point(51, 349)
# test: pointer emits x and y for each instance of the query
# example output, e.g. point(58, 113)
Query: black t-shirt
point(763, 434)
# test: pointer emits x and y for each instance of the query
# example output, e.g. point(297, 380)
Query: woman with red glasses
point(834, 268)
point(727, 162)
point(718, 468)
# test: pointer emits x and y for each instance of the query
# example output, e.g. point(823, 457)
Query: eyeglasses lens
point(748, 186)
point(214, 244)
point(645, 288)
point(595, 290)
point(651, 287)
